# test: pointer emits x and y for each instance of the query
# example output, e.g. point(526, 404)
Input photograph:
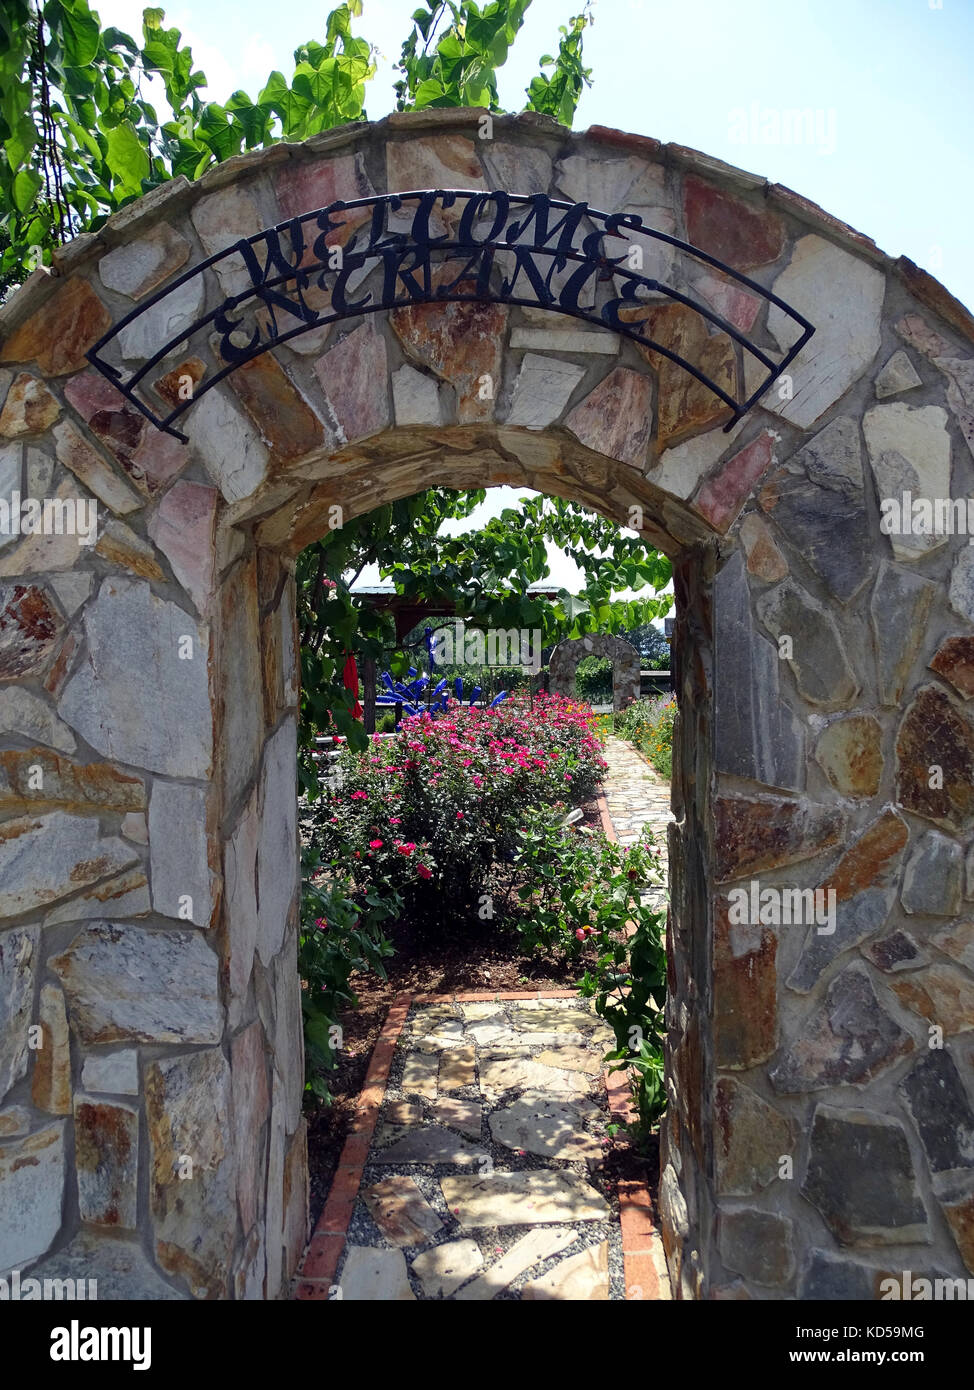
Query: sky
point(888, 83)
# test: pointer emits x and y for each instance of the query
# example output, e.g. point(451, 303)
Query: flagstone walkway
point(474, 1171)
point(636, 794)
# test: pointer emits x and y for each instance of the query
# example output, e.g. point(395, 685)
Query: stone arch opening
point(564, 660)
point(823, 666)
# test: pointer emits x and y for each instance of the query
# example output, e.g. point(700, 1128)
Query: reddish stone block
point(149, 457)
point(173, 383)
point(745, 997)
point(955, 662)
point(685, 406)
point(305, 187)
point(288, 425)
point(30, 628)
point(308, 1292)
point(933, 733)
point(873, 857)
point(28, 409)
point(639, 144)
point(721, 497)
point(355, 1151)
point(183, 527)
point(461, 343)
point(754, 833)
point(348, 374)
point(723, 226)
point(336, 1216)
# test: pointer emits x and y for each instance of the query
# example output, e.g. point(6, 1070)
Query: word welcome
point(436, 246)
point(495, 647)
point(783, 907)
point(50, 516)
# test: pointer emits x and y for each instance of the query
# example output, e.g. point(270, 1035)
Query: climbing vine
point(79, 137)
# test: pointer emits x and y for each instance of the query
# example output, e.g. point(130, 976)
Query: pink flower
point(580, 934)
point(395, 820)
point(359, 796)
point(406, 848)
point(459, 815)
point(321, 924)
point(375, 844)
point(423, 871)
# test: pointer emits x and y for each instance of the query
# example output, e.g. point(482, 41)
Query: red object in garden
point(350, 682)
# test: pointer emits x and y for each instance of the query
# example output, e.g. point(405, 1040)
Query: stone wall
point(623, 655)
point(820, 1122)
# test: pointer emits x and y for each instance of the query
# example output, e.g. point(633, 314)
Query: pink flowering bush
point(433, 812)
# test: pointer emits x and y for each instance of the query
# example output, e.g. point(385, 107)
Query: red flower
point(423, 871)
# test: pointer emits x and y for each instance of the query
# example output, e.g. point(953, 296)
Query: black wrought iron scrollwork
point(508, 244)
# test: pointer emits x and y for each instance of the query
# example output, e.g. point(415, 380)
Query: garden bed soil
point(467, 961)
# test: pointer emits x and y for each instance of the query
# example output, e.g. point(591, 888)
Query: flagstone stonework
point(819, 1131)
point(623, 655)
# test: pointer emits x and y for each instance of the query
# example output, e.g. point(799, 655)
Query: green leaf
point(80, 33)
point(26, 186)
point(21, 142)
point(158, 57)
point(128, 159)
point(80, 134)
point(117, 38)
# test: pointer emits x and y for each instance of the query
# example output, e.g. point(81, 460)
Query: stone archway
point(623, 655)
point(148, 877)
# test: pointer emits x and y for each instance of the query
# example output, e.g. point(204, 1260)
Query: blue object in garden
point(410, 695)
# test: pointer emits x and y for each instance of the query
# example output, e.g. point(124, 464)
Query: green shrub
point(581, 894)
point(593, 680)
point(340, 934)
point(649, 725)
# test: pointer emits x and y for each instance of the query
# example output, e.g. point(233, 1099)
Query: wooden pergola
point(407, 613)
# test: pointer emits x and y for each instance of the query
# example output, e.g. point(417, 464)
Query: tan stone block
point(61, 331)
point(36, 778)
point(51, 1082)
point(401, 1212)
point(120, 545)
point(97, 474)
point(29, 408)
point(582, 1278)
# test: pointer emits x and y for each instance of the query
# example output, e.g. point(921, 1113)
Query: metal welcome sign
point(507, 248)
